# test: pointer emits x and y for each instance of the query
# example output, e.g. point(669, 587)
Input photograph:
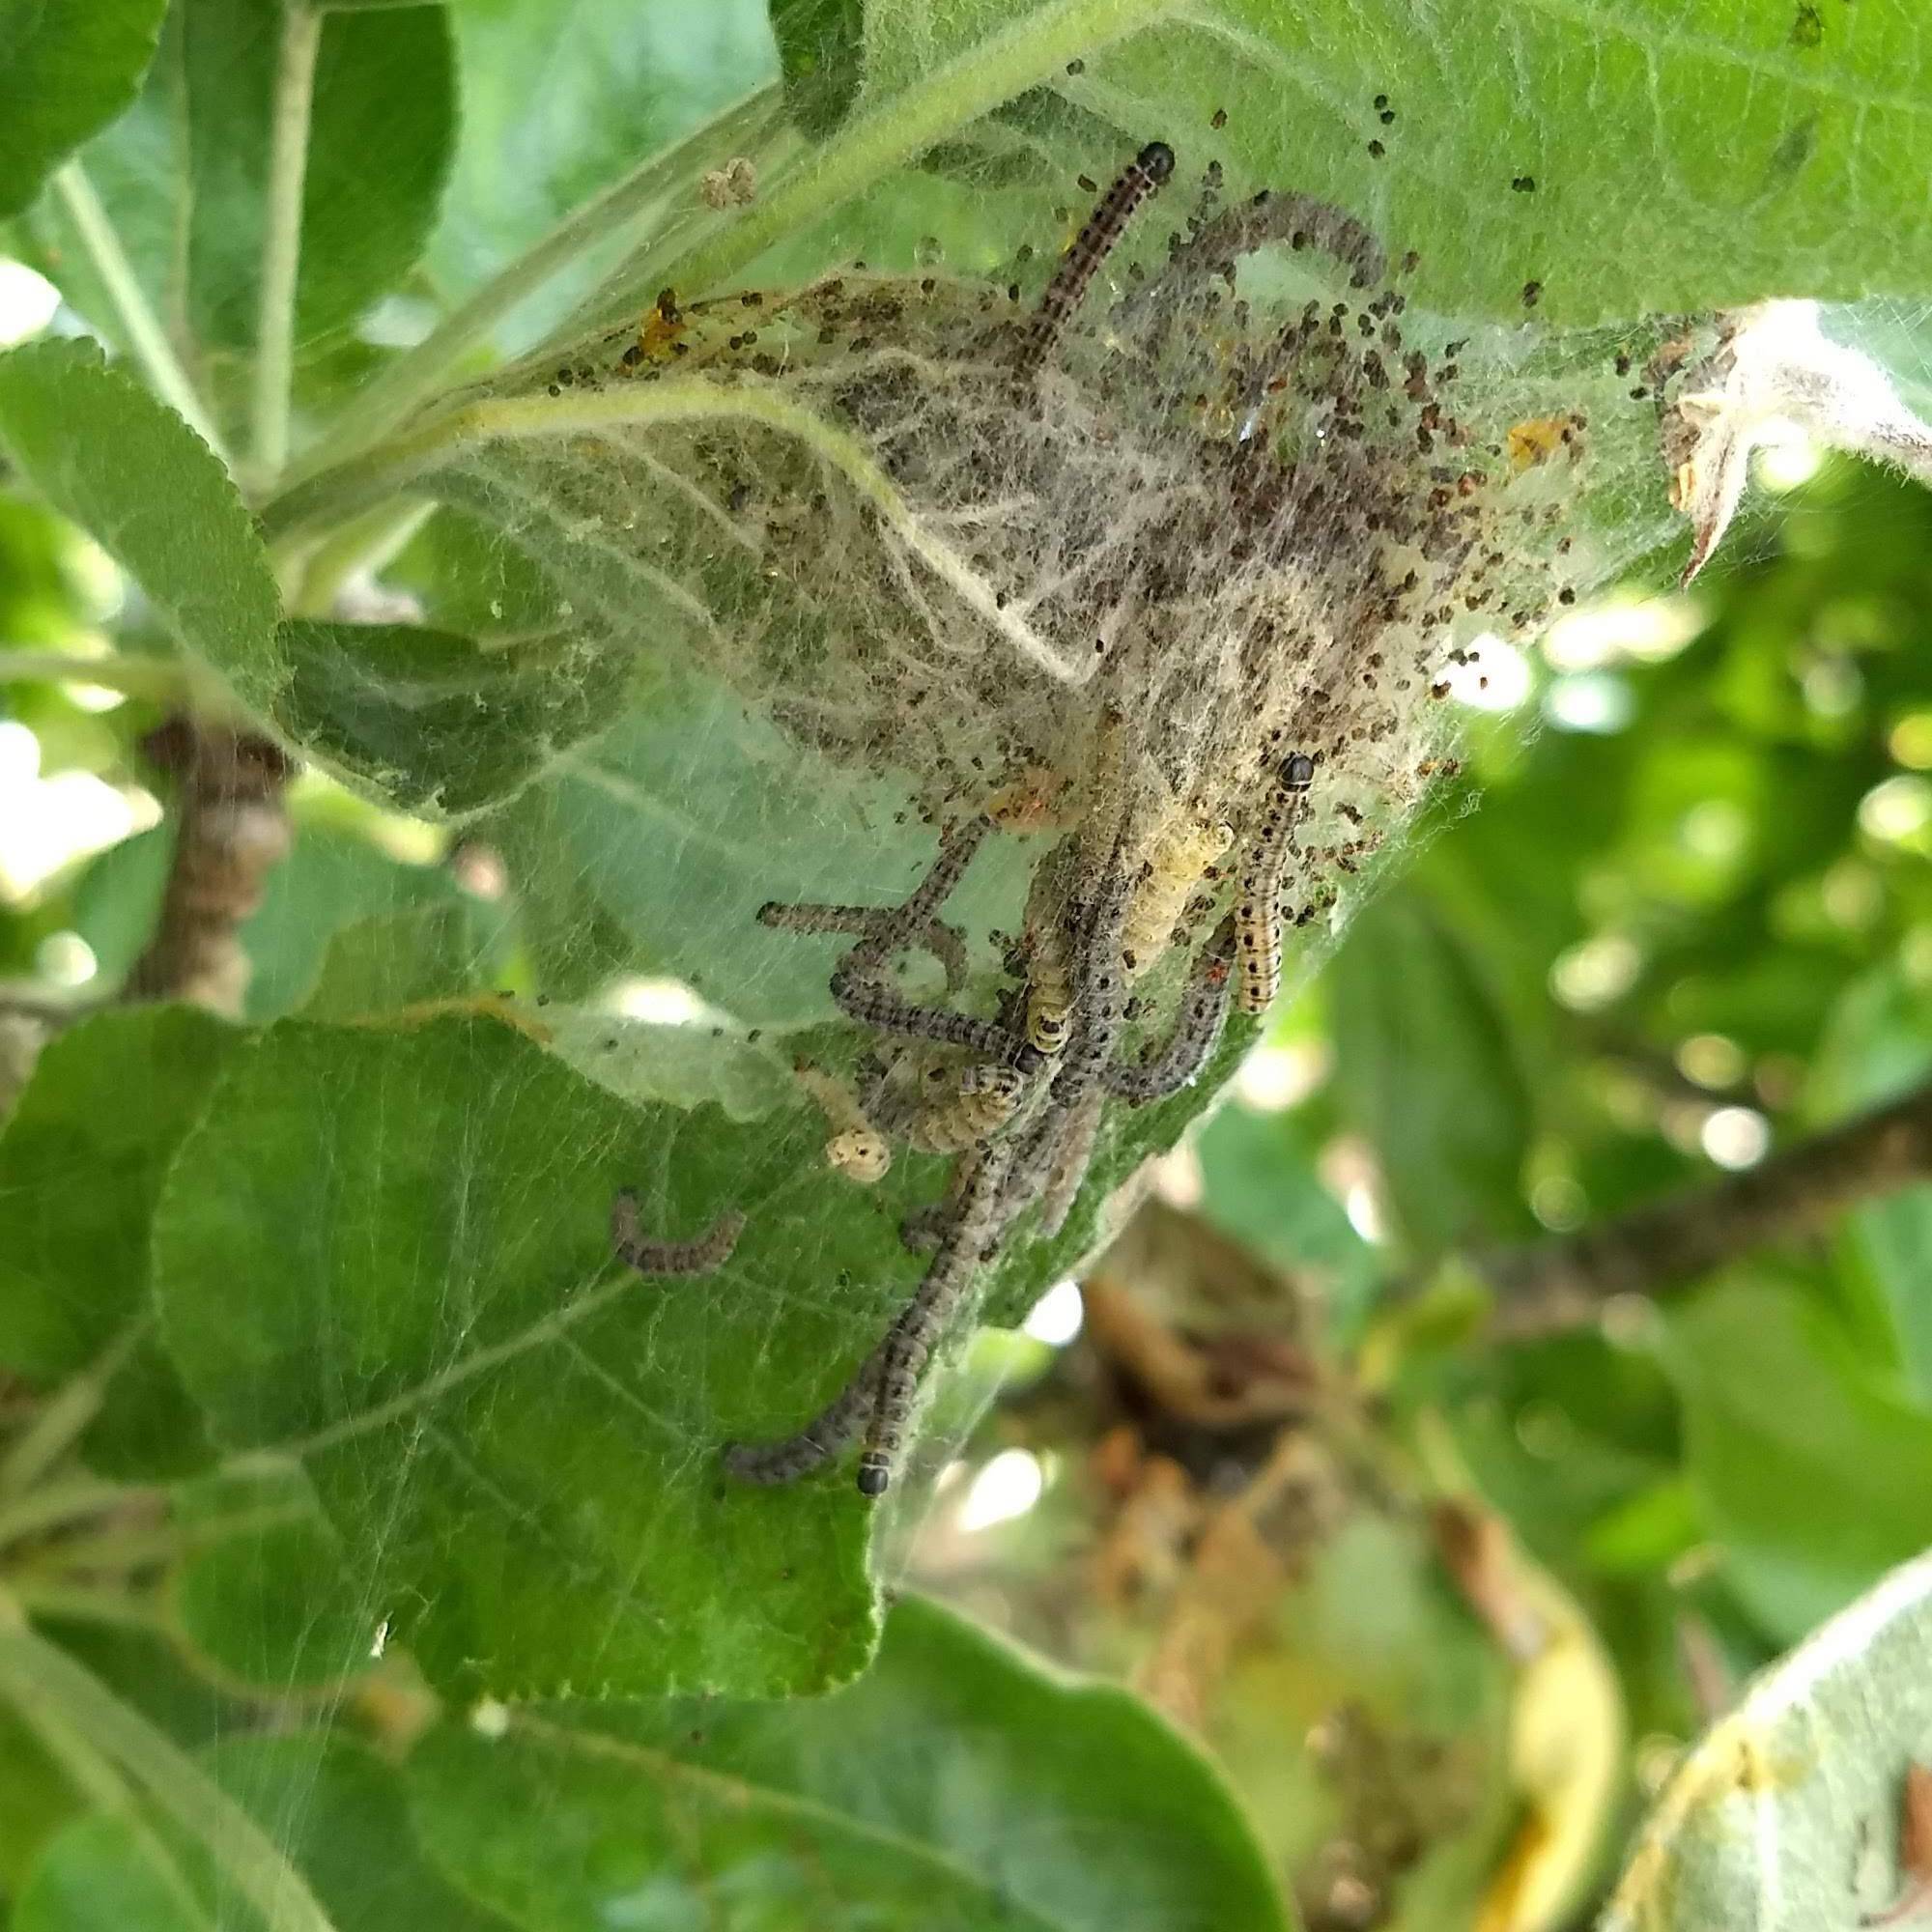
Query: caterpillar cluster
point(1177, 586)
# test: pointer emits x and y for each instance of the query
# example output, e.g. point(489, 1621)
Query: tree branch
point(1559, 1283)
point(232, 828)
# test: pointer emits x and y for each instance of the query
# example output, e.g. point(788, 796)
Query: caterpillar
point(1258, 910)
point(1173, 871)
point(1203, 1012)
point(1066, 1168)
point(877, 1007)
point(710, 1250)
point(948, 1279)
point(986, 1099)
point(1049, 1002)
point(1140, 178)
point(857, 1148)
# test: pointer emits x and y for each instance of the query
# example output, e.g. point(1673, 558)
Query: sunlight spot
point(64, 959)
point(1498, 679)
point(1558, 1202)
point(1896, 810)
point(1852, 895)
point(1272, 1078)
point(660, 1002)
point(1709, 1060)
point(1646, 629)
point(1009, 1486)
point(1596, 973)
point(27, 301)
point(1832, 687)
point(1595, 704)
point(491, 1719)
point(1177, 1178)
point(1911, 741)
point(1057, 1314)
point(479, 869)
point(47, 824)
point(1787, 458)
point(1737, 1137)
point(1364, 1211)
point(1715, 829)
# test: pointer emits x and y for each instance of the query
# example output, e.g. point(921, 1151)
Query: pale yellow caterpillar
point(857, 1148)
point(986, 1099)
point(1172, 871)
point(1049, 1006)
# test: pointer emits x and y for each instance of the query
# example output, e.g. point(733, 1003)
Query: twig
point(612, 213)
point(232, 828)
point(138, 675)
point(139, 323)
point(1558, 1284)
point(281, 234)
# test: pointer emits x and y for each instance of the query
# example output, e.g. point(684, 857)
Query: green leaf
point(621, 78)
point(958, 1785)
point(821, 49)
point(334, 877)
point(66, 67)
point(334, 1808)
point(1260, 1185)
point(34, 1800)
point(434, 721)
point(514, 1437)
point(1786, 1816)
point(393, 960)
point(1877, 1046)
point(1751, 122)
point(103, 1874)
point(133, 474)
point(381, 129)
point(264, 1594)
point(82, 1162)
point(1813, 1474)
point(1425, 1071)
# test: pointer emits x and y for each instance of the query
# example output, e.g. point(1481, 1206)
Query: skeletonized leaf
point(436, 724)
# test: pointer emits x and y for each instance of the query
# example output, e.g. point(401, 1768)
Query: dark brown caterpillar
point(710, 1250)
point(1140, 178)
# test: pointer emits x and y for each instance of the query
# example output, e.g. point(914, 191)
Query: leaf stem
point(973, 83)
point(413, 377)
point(139, 323)
point(44, 1683)
point(140, 677)
point(84, 1603)
point(63, 1416)
point(71, 1501)
point(281, 234)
